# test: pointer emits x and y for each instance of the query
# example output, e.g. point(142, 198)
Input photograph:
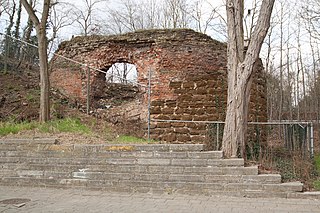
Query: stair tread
point(296, 186)
point(184, 168)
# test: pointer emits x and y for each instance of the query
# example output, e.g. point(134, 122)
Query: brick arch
point(189, 77)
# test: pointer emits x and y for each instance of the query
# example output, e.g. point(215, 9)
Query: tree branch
point(31, 12)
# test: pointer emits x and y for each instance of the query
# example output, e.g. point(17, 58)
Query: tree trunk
point(240, 71)
point(43, 56)
point(44, 77)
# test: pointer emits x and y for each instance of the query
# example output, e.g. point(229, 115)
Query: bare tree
point(4, 6)
point(40, 25)
point(203, 17)
point(58, 19)
point(176, 14)
point(240, 72)
point(26, 37)
point(86, 17)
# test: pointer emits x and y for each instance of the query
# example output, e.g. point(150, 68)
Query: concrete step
point(236, 162)
point(28, 141)
point(135, 169)
point(168, 186)
point(114, 154)
point(94, 148)
point(7, 173)
point(102, 175)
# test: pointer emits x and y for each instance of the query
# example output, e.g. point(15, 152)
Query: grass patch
point(7, 128)
point(317, 163)
point(316, 185)
point(72, 125)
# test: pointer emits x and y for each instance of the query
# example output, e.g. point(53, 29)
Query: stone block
point(157, 131)
point(179, 111)
point(178, 124)
point(170, 154)
point(170, 103)
point(226, 162)
point(155, 110)
point(186, 117)
point(262, 178)
point(183, 137)
point(198, 138)
point(151, 161)
point(188, 85)
point(197, 132)
point(183, 105)
point(211, 110)
point(284, 187)
point(199, 97)
point(175, 117)
point(186, 147)
point(121, 161)
point(163, 125)
point(181, 130)
point(200, 84)
point(200, 118)
point(159, 103)
point(167, 110)
point(201, 91)
point(151, 177)
point(189, 162)
point(169, 137)
point(206, 155)
point(175, 84)
point(138, 154)
point(200, 111)
point(186, 178)
point(185, 98)
point(34, 173)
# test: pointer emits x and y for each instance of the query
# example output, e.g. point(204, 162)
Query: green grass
point(316, 185)
point(68, 125)
point(7, 128)
point(73, 125)
point(317, 163)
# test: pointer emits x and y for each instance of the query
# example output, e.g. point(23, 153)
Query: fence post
point(311, 141)
point(218, 132)
point(88, 90)
point(149, 103)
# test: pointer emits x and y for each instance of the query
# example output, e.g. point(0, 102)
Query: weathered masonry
point(188, 80)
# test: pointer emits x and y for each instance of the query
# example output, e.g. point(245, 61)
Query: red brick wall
point(189, 80)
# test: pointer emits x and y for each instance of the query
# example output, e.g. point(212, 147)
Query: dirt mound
point(19, 96)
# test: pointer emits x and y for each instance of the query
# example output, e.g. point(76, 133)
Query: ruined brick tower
point(188, 79)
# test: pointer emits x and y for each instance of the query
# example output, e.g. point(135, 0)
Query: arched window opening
point(123, 73)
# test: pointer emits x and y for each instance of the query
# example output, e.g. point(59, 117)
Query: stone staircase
point(158, 168)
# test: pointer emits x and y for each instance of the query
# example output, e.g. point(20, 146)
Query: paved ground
point(73, 200)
